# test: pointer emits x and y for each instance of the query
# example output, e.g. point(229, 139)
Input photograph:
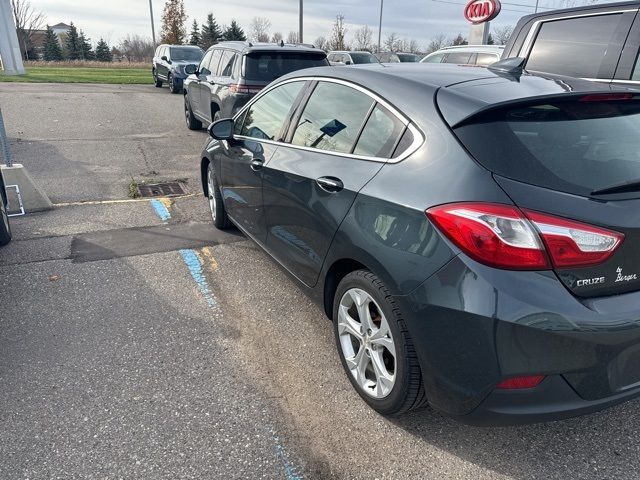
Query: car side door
point(194, 87)
point(258, 131)
point(333, 150)
point(208, 84)
point(223, 83)
point(162, 67)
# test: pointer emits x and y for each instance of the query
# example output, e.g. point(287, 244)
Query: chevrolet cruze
point(473, 233)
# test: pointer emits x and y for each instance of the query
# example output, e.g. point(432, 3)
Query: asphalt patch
point(129, 242)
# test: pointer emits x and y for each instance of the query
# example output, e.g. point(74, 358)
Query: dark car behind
point(231, 73)
point(169, 63)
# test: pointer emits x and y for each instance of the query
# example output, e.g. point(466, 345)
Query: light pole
point(300, 26)
point(153, 28)
point(380, 26)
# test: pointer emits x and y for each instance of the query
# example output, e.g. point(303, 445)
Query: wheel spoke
point(362, 300)
point(384, 380)
point(346, 324)
point(387, 343)
point(358, 366)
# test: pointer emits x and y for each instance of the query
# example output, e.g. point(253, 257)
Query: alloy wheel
point(211, 185)
point(367, 343)
point(187, 112)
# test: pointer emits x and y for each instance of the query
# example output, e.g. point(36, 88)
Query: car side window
point(435, 58)
point(204, 63)
point(215, 60)
point(636, 70)
point(332, 118)
point(380, 134)
point(575, 47)
point(227, 63)
point(485, 59)
point(266, 116)
point(461, 58)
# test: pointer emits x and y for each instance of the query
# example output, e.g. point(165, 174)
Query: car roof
point(471, 49)
point(595, 6)
point(256, 47)
point(462, 90)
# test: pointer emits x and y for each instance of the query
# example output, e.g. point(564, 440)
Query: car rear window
point(267, 66)
point(359, 58)
point(575, 146)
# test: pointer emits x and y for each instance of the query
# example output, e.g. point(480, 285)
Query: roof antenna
point(512, 66)
point(281, 42)
point(250, 44)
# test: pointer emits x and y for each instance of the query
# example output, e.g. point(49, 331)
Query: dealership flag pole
point(153, 28)
point(380, 26)
point(300, 26)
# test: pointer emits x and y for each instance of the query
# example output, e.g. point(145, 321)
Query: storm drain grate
point(161, 189)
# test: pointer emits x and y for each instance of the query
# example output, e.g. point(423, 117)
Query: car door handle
point(256, 164)
point(330, 184)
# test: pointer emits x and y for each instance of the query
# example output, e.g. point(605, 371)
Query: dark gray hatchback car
point(231, 73)
point(473, 235)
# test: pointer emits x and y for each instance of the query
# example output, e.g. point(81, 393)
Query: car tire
point(172, 85)
point(216, 116)
point(5, 228)
point(157, 82)
point(216, 206)
point(192, 122)
point(377, 351)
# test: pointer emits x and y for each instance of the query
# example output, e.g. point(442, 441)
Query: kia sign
point(480, 11)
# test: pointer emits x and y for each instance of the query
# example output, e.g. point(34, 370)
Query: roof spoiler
point(512, 66)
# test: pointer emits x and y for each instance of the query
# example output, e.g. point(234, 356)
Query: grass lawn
point(56, 74)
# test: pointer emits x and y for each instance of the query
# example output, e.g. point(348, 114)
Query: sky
point(413, 19)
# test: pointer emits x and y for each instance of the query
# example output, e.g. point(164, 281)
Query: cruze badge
point(589, 281)
point(624, 278)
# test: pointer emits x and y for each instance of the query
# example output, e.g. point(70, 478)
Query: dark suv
point(232, 72)
point(596, 42)
point(169, 64)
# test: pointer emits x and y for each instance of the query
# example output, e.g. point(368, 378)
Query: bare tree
point(412, 46)
point(436, 43)
point(364, 39)
point(277, 37)
point(501, 35)
point(320, 42)
point(259, 30)
point(27, 21)
point(458, 40)
point(292, 37)
point(137, 48)
point(391, 42)
point(338, 34)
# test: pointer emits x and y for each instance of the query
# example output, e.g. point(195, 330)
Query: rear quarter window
point(267, 66)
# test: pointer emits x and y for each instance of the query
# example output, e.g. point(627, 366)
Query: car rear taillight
point(503, 236)
point(517, 383)
point(235, 88)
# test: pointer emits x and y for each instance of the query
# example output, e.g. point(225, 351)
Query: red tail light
point(605, 97)
point(515, 383)
point(503, 236)
point(235, 88)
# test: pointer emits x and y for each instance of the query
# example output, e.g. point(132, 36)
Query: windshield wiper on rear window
point(631, 186)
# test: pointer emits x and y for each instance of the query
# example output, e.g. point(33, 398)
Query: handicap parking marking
point(161, 207)
point(195, 265)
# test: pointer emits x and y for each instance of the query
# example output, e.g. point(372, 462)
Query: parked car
point(351, 58)
point(398, 57)
point(473, 233)
point(169, 63)
point(5, 228)
point(231, 73)
point(482, 55)
point(597, 42)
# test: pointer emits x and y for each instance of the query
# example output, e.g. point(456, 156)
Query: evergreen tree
point(103, 53)
point(234, 32)
point(210, 32)
point(194, 36)
point(73, 49)
point(490, 40)
point(173, 18)
point(52, 49)
point(86, 50)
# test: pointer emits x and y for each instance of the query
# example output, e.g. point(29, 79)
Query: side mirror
point(222, 129)
point(163, 57)
point(348, 62)
point(190, 69)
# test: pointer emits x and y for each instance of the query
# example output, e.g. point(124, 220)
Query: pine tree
point(173, 18)
point(490, 40)
point(103, 53)
point(86, 50)
point(73, 49)
point(194, 36)
point(234, 32)
point(52, 49)
point(210, 32)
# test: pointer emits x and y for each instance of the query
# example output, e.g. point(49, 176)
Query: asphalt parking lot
point(133, 346)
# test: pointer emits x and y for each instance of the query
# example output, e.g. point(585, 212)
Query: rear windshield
point(409, 57)
point(185, 54)
point(575, 146)
point(265, 67)
point(363, 58)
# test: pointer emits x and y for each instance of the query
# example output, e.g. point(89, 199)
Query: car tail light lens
point(235, 88)
point(574, 244)
point(517, 383)
point(604, 97)
point(503, 236)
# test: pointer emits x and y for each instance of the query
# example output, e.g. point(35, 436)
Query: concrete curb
point(33, 197)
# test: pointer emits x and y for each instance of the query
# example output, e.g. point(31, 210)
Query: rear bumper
point(553, 399)
point(474, 326)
